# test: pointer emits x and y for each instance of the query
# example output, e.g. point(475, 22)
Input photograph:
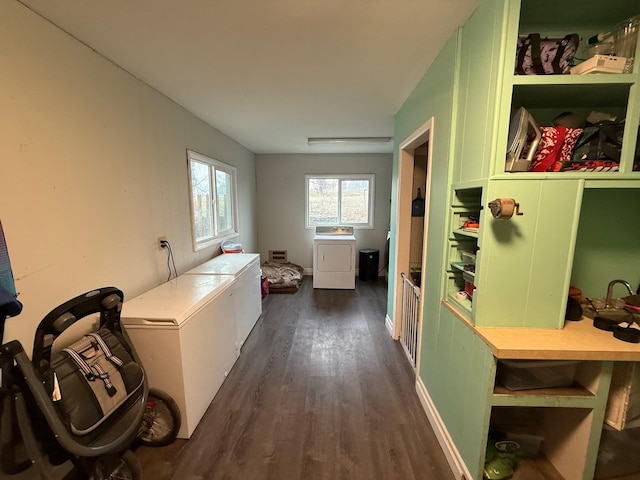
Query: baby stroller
point(53, 424)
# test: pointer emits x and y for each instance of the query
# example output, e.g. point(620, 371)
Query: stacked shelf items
point(588, 97)
point(463, 246)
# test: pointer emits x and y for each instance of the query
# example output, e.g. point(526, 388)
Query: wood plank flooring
point(320, 391)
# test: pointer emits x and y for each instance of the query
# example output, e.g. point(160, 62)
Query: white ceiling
point(270, 73)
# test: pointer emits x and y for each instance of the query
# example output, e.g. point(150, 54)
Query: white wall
point(94, 171)
point(281, 197)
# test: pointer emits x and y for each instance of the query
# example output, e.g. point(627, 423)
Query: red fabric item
point(555, 148)
point(549, 148)
point(569, 144)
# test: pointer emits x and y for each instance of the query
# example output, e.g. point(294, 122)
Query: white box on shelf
point(600, 64)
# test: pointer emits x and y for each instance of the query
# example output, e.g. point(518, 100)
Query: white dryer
point(334, 258)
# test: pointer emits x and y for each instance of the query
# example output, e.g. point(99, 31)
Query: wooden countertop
point(576, 341)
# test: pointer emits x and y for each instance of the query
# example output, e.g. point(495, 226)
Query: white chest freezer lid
point(225, 264)
point(175, 301)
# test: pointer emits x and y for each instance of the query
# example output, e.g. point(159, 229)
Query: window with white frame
point(213, 200)
point(340, 200)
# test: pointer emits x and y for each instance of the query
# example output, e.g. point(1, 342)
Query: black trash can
point(369, 260)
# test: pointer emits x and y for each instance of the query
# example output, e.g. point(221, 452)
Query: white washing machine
point(334, 258)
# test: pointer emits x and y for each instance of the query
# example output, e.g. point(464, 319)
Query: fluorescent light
point(334, 140)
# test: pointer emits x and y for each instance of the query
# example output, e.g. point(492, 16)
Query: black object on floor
point(369, 261)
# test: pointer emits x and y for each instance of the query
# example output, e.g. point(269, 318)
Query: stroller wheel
point(161, 419)
point(125, 466)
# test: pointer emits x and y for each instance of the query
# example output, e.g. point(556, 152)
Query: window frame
point(369, 177)
point(214, 167)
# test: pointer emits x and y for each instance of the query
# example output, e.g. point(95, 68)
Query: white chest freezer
point(227, 264)
point(184, 331)
point(245, 268)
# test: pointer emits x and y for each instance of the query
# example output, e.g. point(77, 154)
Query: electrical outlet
point(160, 240)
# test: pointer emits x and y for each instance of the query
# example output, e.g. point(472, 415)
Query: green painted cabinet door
point(480, 54)
point(525, 262)
point(458, 370)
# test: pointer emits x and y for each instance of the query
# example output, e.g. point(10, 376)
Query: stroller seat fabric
point(90, 379)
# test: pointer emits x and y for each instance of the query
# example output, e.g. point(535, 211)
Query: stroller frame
point(25, 403)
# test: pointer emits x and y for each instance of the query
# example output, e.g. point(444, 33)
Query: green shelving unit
point(525, 265)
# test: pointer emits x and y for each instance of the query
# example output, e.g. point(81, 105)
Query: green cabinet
point(520, 274)
point(547, 96)
point(480, 61)
point(525, 261)
point(519, 269)
point(489, 93)
point(523, 266)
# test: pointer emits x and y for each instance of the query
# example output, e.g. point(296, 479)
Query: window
point(213, 200)
point(340, 200)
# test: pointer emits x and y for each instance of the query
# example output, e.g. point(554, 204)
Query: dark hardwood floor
point(320, 391)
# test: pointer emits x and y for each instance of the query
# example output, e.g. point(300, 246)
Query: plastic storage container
point(529, 444)
point(468, 257)
point(529, 374)
point(625, 38)
point(229, 246)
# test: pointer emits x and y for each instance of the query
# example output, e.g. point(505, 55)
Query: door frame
point(406, 153)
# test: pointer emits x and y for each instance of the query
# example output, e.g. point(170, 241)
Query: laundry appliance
point(334, 257)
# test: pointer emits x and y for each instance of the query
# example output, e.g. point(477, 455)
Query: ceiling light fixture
point(335, 140)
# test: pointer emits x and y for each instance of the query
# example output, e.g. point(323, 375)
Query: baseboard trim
point(444, 439)
point(389, 324)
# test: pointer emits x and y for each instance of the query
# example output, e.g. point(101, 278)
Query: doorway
point(412, 216)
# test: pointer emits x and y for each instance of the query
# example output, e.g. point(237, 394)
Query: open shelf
point(552, 439)
point(466, 233)
point(575, 396)
point(596, 80)
point(466, 204)
point(536, 468)
point(535, 13)
point(604, 95)
point(545, 97)
point(464, 306)
point(459, 266)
